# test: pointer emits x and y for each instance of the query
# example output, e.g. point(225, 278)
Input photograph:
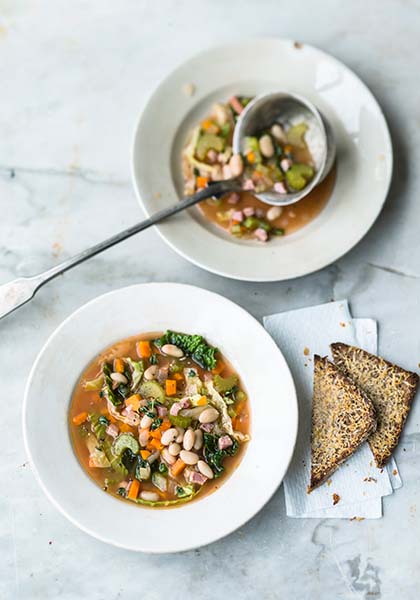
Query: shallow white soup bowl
point(156, 307)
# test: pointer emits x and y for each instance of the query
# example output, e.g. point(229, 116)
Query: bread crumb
point(369, 479)
point(306, 351)
point(336, 499)
point(329, 482)
point(298, 45)
point(357, 519)
point(189, 89)
point(395, 472)
point(342, 324)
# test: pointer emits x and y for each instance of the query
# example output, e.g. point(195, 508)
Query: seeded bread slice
point(342, 418)
point(391, 389)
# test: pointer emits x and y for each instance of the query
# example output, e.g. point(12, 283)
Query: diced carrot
point(144, 454)
point(177, 376)
point(165, 425)
point(155, 434)
point(178, 467)
point(133, 492)
point(288, 149)
point(202, 401)
point(170, 387)
point(155, 444)
point(144, 349)
point(125, 428)
point(80, 418)
point(119, 365)
point(219, 368)
point(210, 126)
point(202, 181)
point(111, 418)
point(250, 157)
point(133, 401)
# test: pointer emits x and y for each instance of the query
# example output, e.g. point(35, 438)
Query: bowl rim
point(293, 407)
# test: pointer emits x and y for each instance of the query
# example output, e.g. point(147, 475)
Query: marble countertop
point(75, 76)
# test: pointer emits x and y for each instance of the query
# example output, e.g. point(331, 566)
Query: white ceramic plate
point(155, 307)
point(254, 67)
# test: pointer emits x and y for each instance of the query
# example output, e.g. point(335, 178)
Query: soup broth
point(159, 423)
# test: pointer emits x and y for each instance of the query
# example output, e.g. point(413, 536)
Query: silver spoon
point(255, 117)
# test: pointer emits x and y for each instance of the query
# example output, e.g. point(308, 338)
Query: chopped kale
point(214, 456)
point(193, 345)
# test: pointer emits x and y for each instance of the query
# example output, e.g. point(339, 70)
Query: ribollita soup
point(159, 419)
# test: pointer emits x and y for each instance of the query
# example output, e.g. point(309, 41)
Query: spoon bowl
point(288, 109)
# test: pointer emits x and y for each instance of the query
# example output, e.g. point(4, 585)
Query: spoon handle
point(16, 293)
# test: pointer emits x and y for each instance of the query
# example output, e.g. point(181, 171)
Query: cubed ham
point(195, 477)
point(224, 442)
point(207, 427)
point(112, 430)
point(236, 105)
point(280, 188)
point(175, 408)
point(161, 411)
point(259, 212)
point(233, 198)
point(163, 374)
point(185, 403)
point(212, 156)
point(237, 215)
point(249, 211)
point(261, 234)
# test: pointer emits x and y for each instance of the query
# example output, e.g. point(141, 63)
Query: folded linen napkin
point(358, 483)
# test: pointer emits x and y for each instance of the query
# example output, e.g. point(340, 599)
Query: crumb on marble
point(157, 195)
point(56, 249)
point(298, 45)
point(189, 89)
point(336, 499)
point(306, 351)
point(342, 324)
point(329, 482)
point(395, 472)
point(357, 519)
point(370, 479)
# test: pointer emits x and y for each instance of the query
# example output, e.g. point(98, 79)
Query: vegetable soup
point(159, 419)
point(277, 158)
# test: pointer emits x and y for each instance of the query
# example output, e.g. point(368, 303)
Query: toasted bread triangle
point(391, 389)
point(342, 419)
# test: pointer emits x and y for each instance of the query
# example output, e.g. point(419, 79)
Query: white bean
point(167, 457)
point(144, 437)
point(150, 496)
point(174, 449)
point(189, 438)
point(198, 442)
point(189, 458)
point(236, 165)
point(119, 378)
point(169, 436)
point(205, 469)
point(274, 212)
point(151, 372)
point(277, 132)
point(209, 415)
point(180, 437)
point(146, 422)
point(266, 146)
point(171, 350)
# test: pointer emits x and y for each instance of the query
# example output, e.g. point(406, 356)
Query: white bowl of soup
point(170, 417)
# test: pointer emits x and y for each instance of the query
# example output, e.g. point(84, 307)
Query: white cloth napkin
point(358, 483)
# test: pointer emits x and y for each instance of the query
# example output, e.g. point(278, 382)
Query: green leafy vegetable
point(94, 384)
point(214, 456)
point(107, 390)
point(184, 492)
point(143, 469)
point(186, 498)
point(121, 491)
point(193, 345)
point(163, 468)
point(137, 370)
point(156, 424)
point(223, 384)
point(154, 359)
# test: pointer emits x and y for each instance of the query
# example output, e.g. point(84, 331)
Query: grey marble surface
point(74, 77)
